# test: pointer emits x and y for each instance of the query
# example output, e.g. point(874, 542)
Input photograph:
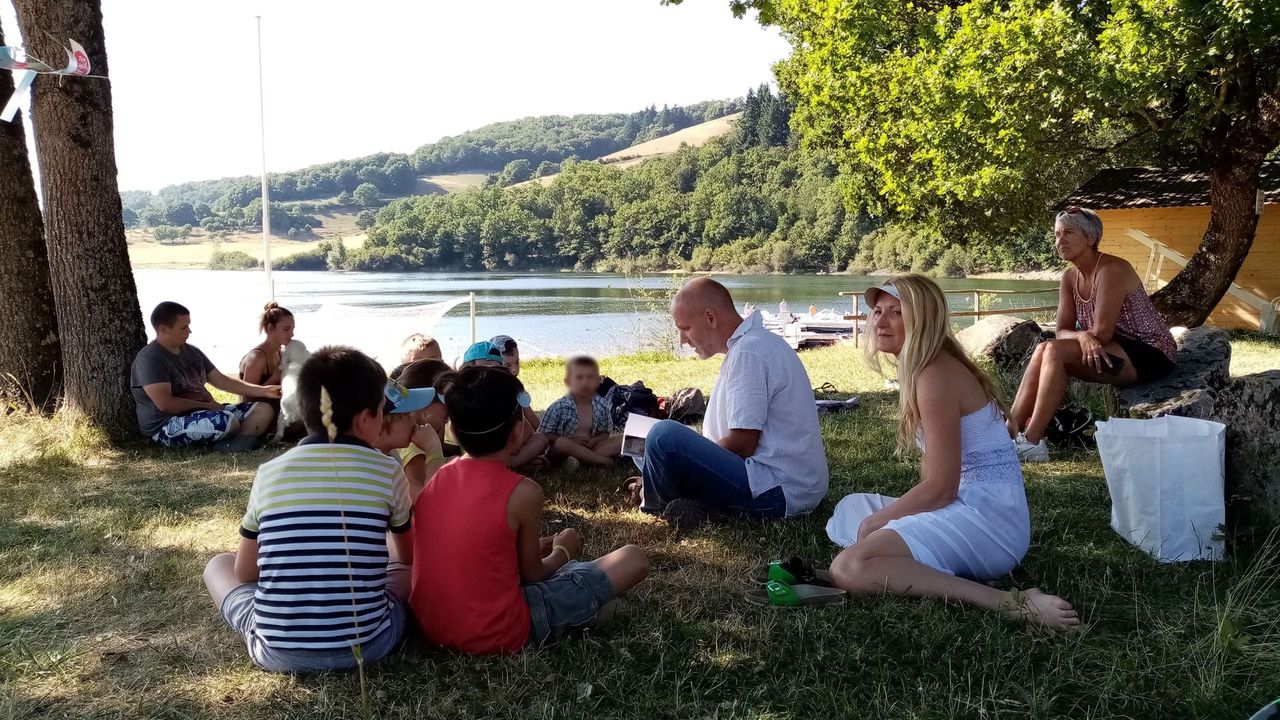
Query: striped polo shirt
point(320, 513)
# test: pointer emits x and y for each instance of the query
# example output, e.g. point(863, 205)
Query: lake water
point(550, 314)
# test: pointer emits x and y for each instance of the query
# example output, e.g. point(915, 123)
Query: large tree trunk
point(1234, 150)
point(96, 299)
point(30, 356)
point(1195, 291)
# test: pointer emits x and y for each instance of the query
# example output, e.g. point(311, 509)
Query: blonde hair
point(927, 333)
point(414, 343)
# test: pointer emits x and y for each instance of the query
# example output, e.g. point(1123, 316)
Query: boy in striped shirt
point(313, 577)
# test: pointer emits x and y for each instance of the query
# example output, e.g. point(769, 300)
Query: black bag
point(688, 406)
point(1071, 428)
point(627, 399)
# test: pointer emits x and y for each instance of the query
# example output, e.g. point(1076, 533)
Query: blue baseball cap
point(400, 399)
point(483, 350)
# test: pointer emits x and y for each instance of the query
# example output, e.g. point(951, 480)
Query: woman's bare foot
point(1044, 609)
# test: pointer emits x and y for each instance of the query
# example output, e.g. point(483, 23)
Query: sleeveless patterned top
point(1138, 319)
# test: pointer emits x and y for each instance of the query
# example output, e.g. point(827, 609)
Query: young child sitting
point(580, 424)
point(492, 585)
point(419, 347)
point(531, 457)
point(313, 541)
point(425, 453)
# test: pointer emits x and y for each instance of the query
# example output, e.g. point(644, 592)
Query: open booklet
point(634, 434)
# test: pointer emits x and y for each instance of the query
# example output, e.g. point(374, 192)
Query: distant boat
point(816, 328)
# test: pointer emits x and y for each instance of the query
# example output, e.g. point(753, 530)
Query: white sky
point(345, 79)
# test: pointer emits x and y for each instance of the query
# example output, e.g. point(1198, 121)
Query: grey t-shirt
point(186, 372)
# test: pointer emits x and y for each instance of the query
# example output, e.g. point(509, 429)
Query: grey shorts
point(569, 599)
point(237, 610)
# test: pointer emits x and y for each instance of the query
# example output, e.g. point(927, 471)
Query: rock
point(1203, 368)
point(1250, 408)
point(1004, 339)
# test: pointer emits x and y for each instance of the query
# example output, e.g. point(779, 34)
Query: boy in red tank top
point(486, 582)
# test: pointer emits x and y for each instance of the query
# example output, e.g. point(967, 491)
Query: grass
point(103, 615)
point(1253, 352)
point(195, 254)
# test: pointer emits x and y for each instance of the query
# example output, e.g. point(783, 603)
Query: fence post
point(977, 305)
point(473, 318)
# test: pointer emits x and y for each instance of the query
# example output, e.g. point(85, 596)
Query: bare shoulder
point(1118, 272)
point(939, 378)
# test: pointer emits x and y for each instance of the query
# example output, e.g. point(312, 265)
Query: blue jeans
point(569, 599)
point(680, 463)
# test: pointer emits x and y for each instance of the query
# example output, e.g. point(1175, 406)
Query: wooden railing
point(977, 311)
point(1158, 251)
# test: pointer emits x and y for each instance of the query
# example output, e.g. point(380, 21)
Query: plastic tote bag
point(1165, 476)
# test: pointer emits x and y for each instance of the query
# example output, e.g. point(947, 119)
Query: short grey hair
point(1085, 221)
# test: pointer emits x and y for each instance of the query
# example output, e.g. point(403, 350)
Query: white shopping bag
point(1166, 476)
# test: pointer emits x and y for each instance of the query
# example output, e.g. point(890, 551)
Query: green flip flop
point(794, 572)
point(779, 594)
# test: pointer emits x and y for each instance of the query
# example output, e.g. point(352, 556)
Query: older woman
point(1108, 332)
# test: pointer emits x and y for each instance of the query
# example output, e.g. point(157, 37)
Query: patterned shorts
point(200, 427)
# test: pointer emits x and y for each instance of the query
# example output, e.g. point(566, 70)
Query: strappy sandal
point(776, 594)
point(794, 572)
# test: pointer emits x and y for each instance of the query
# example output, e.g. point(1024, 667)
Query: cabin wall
point(1182, 228)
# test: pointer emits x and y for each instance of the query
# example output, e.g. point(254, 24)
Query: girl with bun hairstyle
point(261, 365)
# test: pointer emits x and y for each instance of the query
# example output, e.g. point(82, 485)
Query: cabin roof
point(1148, 187)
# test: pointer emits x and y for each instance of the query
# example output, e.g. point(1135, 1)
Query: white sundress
point(984, 532)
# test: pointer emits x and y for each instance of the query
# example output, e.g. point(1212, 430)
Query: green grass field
point(103, 614)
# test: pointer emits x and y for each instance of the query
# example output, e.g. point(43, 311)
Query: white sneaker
point(1031, 452)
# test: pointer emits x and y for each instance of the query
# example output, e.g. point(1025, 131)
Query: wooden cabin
point(1155, 219)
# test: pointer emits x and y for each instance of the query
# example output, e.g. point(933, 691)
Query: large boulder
point(1203, 368)
point(1004, 339)
point(1250, 408)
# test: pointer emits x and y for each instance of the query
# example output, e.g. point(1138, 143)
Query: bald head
point(704, 314)
point(704, 293)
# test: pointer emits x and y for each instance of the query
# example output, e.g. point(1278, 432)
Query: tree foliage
point(977, 115)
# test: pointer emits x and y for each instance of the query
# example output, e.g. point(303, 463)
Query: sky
point(345, 79)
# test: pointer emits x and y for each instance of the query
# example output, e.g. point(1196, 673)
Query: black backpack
point(1071, 428)
point(627, 399)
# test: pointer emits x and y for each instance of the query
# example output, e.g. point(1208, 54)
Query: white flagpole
point(266, 191)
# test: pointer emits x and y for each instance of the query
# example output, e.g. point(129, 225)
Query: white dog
point(291, 360)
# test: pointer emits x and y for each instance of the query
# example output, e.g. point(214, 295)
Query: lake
point(550, 314)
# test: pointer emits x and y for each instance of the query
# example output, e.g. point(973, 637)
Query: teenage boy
point(312, 577)
point(581, 423)
point(175, 409)
point(492, 585)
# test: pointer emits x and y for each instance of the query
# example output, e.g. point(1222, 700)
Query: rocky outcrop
point(1004, 339)
point(1250, 408)
point(1203, 368)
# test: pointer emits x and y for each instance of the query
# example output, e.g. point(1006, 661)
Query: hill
point(695, 136)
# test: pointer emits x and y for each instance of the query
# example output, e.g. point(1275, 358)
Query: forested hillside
point(511, 148)
point(749, 201)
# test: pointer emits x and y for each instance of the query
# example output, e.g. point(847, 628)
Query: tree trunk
point(1234, 150)
point(1195, 291)
point(94, 292)
point(30, 356)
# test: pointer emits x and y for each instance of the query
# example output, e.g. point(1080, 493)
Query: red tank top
point(466, 590)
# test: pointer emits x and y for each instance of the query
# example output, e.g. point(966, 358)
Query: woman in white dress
point(966, 521)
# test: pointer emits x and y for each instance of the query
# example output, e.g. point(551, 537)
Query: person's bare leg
point(1024, 404)
point(625, 568)
point(882, 562)
point(1052, 387)
point(609, 446)
point(571, 448)
point(220, 577)
point(531, 450)
point(258, 421)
